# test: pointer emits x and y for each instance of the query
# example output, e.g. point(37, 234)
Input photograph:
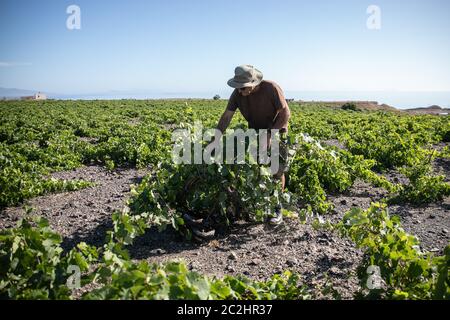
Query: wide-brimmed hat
point(245, 76)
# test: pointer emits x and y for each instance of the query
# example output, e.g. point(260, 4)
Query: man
point(263, 105)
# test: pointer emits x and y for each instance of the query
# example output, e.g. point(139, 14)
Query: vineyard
point(91, 186)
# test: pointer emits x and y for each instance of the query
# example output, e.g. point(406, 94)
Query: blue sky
point(194, 45)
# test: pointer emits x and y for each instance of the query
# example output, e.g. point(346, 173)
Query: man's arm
point(282, 118)
point(223, 124)
point(280, 123)
point(225, 120)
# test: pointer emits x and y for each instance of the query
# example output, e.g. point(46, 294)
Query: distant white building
point(40, 96)
point(36, 96)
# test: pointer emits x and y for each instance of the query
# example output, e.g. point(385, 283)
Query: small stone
point(337, 259)
point(292, 262)
point(214, 244)
point(194, 265)
point(255, 262)
point(445, 230)
point(335, 271)
point(159, 251)
point(279, 269)
point(286, 242)
point(416, 221)
point(230, 268)
point(246, 272)
point(434, 250)
point(305, 237)
point(432, 216)
point(232, 256)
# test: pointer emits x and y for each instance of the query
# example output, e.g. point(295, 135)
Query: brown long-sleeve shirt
point(265, 108)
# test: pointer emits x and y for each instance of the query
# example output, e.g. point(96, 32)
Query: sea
point(397, 99)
